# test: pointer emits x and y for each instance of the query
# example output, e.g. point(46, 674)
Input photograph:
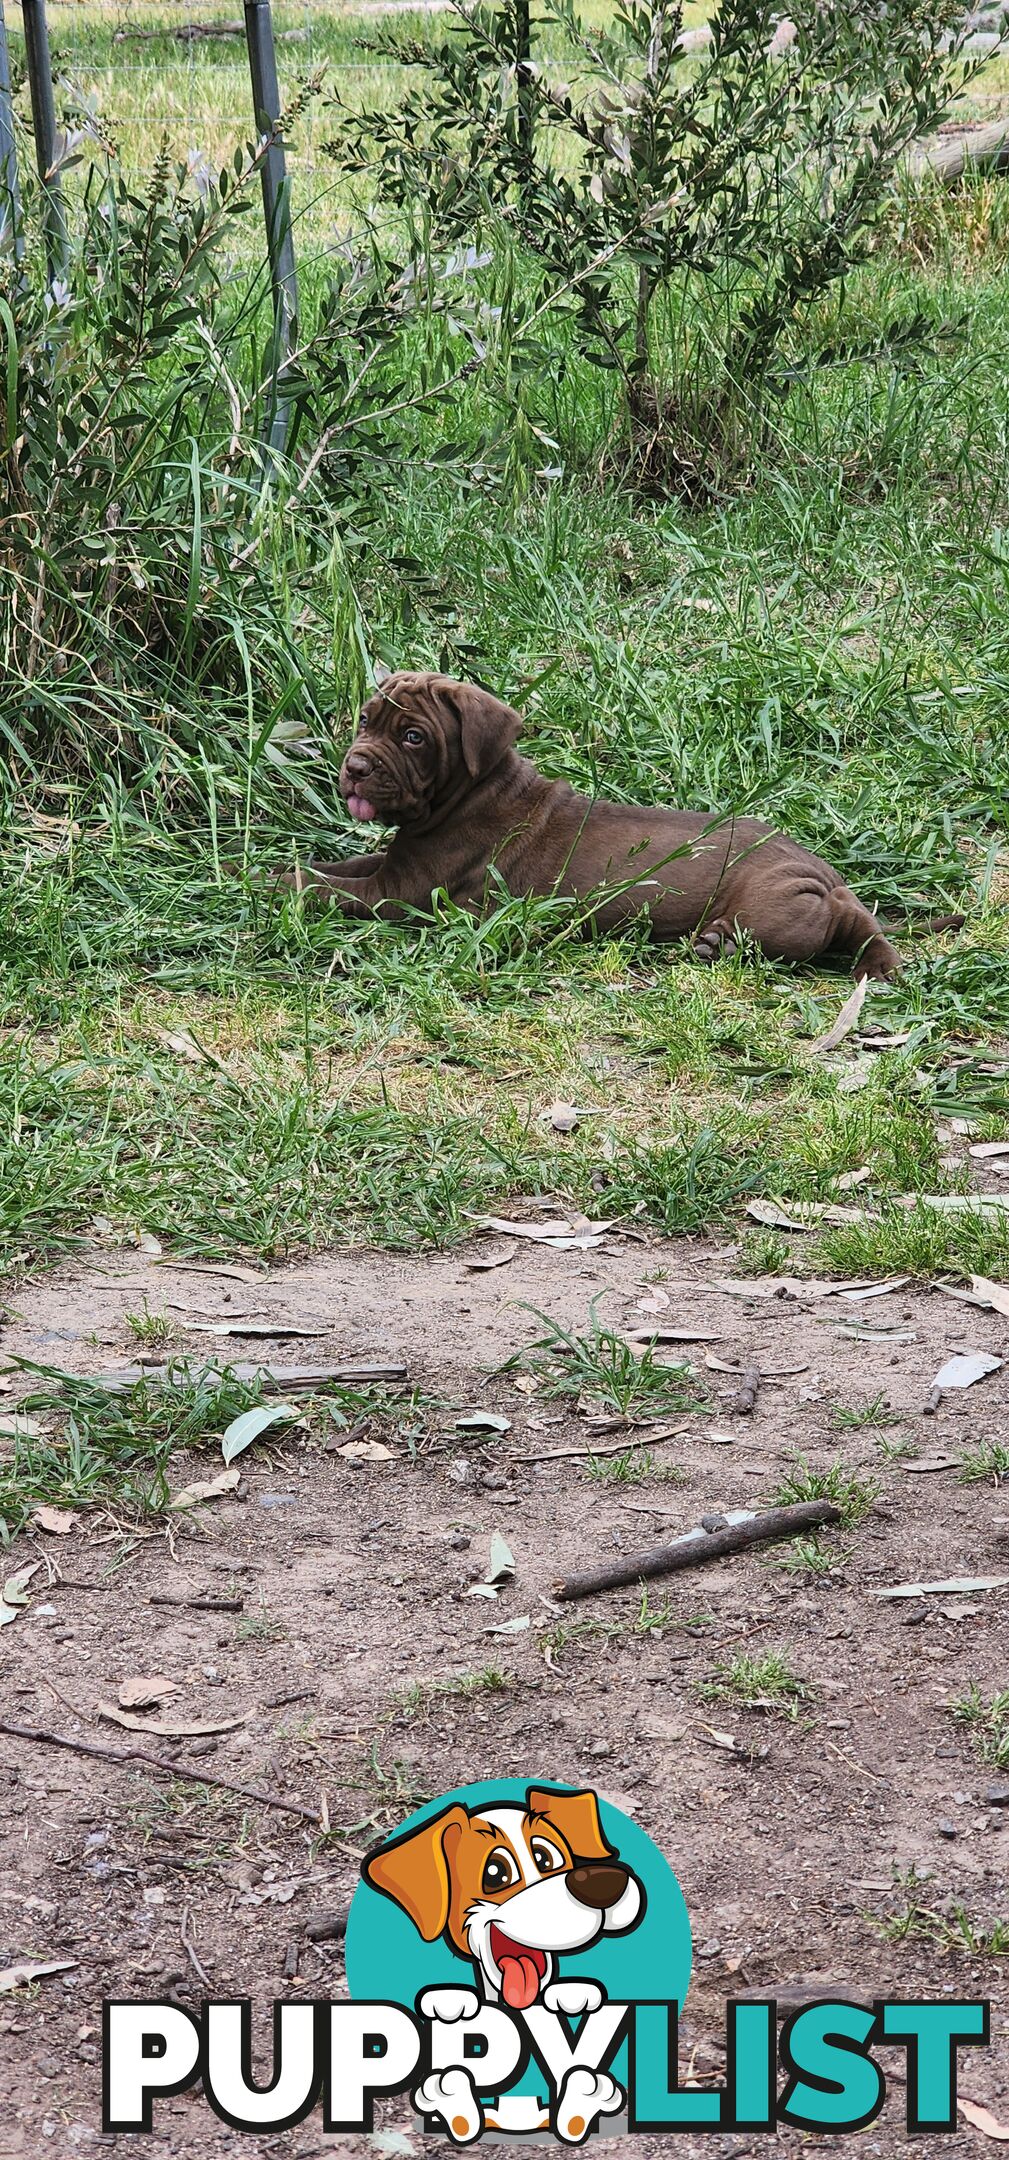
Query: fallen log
point(716, 1538)
point(950, 157)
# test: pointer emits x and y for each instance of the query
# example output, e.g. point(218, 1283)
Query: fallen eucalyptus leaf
point(481, 1262)
point(990, 1293)
point(483, 1421)
point(275, 1330)
point(170, 1728)
point(365, 1451)
point(16, 1976)
point(57, 1521)
point(205, 1489)
point(562, 1235)
point(954, 1582)
point(772, 1216)
point(250, 1425)
point(15, 1589)
point(981, 2118)
point(143, 1690)
point(845, 1021)
point(966, 1368)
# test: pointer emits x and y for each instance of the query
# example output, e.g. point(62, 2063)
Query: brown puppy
point(435, 758)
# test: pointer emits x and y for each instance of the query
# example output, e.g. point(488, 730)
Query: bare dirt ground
point(351, 1579)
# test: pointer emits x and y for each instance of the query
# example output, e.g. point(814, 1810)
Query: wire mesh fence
point(147, 69)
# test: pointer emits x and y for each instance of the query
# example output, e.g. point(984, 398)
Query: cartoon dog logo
point(512, 1889)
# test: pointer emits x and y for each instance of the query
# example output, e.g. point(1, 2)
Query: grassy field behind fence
point(183, 1057)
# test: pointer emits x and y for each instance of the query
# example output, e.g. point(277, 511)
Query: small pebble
point(946, 1829)
point(997, 1796)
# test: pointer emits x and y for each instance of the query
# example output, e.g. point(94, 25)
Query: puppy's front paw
point(572, 1998)
point(451, 2095)
point(449, 2004)
point(585, 2095)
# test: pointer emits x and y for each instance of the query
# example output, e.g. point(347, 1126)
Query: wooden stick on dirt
point(745, 1401)
point(728, 1534)
point(193, 1771)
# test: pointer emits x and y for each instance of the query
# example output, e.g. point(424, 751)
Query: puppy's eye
point(362, 722)
point(499, 1872)
point(547, 1857)
point(412, 735)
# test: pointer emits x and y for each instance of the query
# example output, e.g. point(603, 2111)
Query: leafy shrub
point(150, 545)
point(686, 210)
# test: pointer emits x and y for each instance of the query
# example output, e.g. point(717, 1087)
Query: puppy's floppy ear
point(487, 728)
point(576, 1816)
point(414, 1871)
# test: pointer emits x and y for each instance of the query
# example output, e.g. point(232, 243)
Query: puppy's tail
point(933, 925)
point(857, 932)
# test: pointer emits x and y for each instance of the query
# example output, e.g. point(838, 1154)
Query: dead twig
point(745, 1401)
point(190, 1949)
point(197, 1603)
point(716, 1538)
point(631, 1439)
point(173, 1768)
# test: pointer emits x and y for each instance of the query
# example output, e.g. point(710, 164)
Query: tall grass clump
point(154, 556)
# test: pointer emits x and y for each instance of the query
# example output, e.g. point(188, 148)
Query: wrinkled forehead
point(405, 694)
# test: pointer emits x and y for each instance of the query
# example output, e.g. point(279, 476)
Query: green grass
point(95, 1448)
point(757, 1683)
point(987, 1724)
point(986, 1463)
point(854, 1496)
point(650, 1622)
point(955, 1931)
point(420, 1696)
point(826, 646)
point(599, 1369)
point(854, 1417)
point(633, 1466)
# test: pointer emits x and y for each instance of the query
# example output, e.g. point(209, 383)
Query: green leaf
point(243, 1430)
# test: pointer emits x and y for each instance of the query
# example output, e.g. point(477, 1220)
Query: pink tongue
point(519, 1981)
point(360, 809)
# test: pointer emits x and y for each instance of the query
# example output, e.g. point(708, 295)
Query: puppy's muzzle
point(598, 1884)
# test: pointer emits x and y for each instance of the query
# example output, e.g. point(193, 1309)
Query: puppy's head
point(511, 1887)
point(422, 740)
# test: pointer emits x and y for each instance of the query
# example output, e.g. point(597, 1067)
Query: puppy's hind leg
point(799, 918)
point(856, 931)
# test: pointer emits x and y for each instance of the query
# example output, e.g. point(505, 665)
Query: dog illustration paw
point(585, 2095)
point(451, 2095)
point(573, 1997)
point(449, 2004)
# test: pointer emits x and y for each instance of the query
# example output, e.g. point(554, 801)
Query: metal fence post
point(40, 80)
point(523, 80)
point(276, 207)
point(11, 229)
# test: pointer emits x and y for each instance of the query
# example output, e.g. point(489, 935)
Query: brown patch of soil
point(353, 1582)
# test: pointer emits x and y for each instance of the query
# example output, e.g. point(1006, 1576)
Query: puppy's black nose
point(358, 765)
point(599, 1883)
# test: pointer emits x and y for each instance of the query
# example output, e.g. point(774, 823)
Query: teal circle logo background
point(389, 1961)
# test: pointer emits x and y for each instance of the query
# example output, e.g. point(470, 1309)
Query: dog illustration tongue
point(521, 1969)
point(519, 1981)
